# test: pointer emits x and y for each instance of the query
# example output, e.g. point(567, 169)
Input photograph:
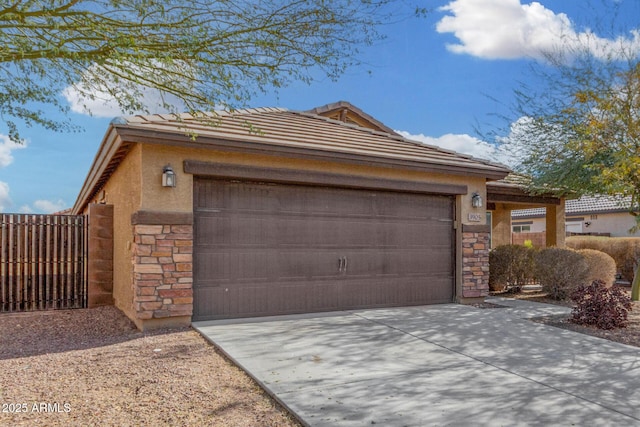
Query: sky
point(442, 79)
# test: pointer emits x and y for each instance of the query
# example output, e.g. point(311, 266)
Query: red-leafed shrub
point(605, 308)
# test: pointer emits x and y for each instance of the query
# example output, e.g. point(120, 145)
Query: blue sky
point(434, 79)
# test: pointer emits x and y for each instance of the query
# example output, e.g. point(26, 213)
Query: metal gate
point(43, 262)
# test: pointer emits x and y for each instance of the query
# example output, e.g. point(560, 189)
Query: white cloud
point(464, 144)
point(5, 200)
point(44, 206)
point(6, 158)
point(102, 104)
point(50, 206)
point(6, 147)
point(93, 96)
point(508, 29)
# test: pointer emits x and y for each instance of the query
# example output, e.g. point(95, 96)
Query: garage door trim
point(291, 176)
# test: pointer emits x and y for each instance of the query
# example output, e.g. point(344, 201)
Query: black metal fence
point(43, 262)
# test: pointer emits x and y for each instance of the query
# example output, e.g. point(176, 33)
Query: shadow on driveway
point(435, 365)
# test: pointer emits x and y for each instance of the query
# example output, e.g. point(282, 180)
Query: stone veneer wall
point(162, 269)
point(475, 263)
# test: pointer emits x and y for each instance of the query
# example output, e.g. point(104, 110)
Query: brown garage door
point(266, 249)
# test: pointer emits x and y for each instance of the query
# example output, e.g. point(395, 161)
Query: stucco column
point(501, 233)
point(100, 254)
point(555, 225)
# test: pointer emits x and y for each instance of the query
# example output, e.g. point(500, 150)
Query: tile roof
point(351, 114)
point(279, 127)
point(583, 205)
point(282, 132)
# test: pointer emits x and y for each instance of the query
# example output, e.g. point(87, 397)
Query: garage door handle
point(342, 264)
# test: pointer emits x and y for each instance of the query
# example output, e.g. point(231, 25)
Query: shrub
point(624, 250)
point(605, 308)
point(510, 266)
point(601, 266)
point(560, 271)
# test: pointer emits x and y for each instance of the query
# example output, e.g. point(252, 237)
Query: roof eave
point(120, 136)
point(130, 134)
point(109, 154)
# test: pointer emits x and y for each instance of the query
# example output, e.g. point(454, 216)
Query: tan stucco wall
point(180, 199)
point(501, 225)
point(123, 192)
point(136, 185)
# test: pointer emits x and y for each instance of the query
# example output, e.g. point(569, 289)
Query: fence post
point(100, 254)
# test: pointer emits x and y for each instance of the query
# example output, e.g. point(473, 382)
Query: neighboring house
point(273, 211)
point(599, 215)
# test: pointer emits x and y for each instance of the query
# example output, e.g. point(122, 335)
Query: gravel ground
point(92, 367)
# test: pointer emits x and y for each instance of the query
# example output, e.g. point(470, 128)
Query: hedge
point(624, 250)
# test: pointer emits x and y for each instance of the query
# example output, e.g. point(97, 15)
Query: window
point(521, 228)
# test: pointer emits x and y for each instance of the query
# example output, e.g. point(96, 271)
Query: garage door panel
point(295, 249)
point(315, 231)
point(385, 262)
point(301, 297)
point(234, 230)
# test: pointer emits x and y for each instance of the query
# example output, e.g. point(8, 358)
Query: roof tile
point(283, 127)
point(583, 205)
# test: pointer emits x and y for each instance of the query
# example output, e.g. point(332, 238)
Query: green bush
point(624, 250)
point(510, 267)
point(601, 266)
point(560, 271)
point(605, 308)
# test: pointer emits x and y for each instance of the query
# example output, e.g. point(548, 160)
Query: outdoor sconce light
point(476, 200)
point(168, 177)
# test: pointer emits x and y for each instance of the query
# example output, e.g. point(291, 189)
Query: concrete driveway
point(440, 365)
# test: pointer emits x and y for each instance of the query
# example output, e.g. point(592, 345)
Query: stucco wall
point(536, 225)
point(135, 187)
point(617, 223)
point(123, 191)
point(501, 225)
point(180, 199)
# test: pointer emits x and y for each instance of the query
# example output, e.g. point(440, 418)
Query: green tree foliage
point(580, 133)
point(204, 53)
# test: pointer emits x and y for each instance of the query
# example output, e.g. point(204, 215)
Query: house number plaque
point(475, 217)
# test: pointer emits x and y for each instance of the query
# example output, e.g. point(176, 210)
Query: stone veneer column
point(163, 267)
point(475, 262)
